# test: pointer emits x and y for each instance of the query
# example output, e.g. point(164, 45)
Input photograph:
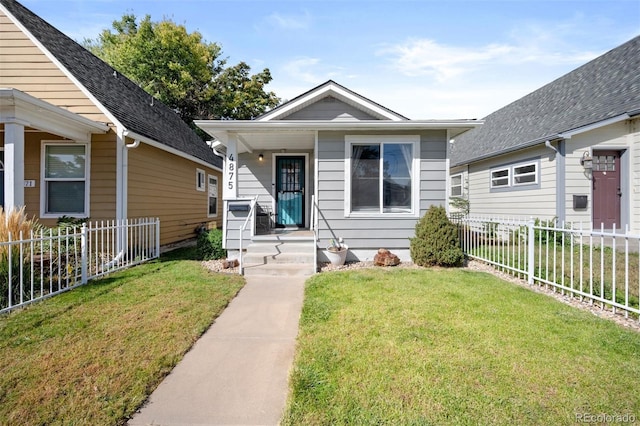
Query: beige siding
point(618, 136)
point(634, 176)
point(539, 202)
point(102, 165)
point(25, 67)
point(103, 177)
point(164, 185)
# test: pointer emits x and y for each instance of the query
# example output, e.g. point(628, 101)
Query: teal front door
point(290, 178)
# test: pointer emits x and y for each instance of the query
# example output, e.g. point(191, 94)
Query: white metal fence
point(598, 265)
point(49, 262)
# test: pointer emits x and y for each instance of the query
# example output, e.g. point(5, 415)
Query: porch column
point(13, 166)
point(230, 179)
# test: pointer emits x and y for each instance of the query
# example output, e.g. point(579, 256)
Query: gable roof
point(331, 89)
point(603, 91)
point(118, 97)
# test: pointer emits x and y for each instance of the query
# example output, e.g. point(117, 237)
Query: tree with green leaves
point(182, 70)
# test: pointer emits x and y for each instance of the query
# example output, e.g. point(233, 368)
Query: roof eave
point(295, 125)
point(137, 138)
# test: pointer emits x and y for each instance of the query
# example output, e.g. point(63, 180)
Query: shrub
point(436, 242)
point(209, 245)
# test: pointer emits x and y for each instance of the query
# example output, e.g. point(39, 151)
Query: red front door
point(606, 188)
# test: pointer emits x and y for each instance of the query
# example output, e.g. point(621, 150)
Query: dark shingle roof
point(606, 87)
point(126, 101)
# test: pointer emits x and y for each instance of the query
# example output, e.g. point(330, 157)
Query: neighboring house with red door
point(570, 150)
point(333, 163)
point(79, 139)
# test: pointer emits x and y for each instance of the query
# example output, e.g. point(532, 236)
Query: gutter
point(140, 138)
point(567, 134)
point(510, 150)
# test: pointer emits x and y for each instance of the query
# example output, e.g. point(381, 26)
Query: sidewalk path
point(236, 373)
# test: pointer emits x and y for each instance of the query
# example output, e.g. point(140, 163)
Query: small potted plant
point(337, 252)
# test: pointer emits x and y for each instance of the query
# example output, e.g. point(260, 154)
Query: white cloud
point(426, 57)
point(290, 22)
point(310, 70)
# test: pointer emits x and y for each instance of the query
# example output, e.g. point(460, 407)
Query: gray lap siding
point(371, 233)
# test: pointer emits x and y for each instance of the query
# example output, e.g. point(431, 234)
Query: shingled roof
point(606, 87)
point(122, 98)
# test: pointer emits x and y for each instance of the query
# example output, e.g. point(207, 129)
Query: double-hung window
point(381, 174)
point(65, 180)
point(456, 186)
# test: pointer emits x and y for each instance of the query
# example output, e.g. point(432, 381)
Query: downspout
point(122, 181)
point(561, 176)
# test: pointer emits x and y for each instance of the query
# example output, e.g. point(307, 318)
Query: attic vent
point(329, 99)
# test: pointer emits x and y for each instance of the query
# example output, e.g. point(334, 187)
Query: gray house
point(570, 150)
point(332, 164)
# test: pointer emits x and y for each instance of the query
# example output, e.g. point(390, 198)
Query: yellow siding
point(25, 67)
point(102, 175)
point(164, 185)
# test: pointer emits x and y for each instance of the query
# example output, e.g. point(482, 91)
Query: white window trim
point(201, 184)
point(43, 182)
point(511, 175)
point(508, 177)
point(461, 185)
point(535, 174)
point(351, 140)
point(209, 177)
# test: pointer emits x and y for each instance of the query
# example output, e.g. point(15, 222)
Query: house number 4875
point(231, 168)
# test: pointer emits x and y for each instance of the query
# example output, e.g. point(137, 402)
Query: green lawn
point(421, 347)
point(92, 355)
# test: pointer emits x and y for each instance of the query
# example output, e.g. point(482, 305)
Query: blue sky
point(425, 59)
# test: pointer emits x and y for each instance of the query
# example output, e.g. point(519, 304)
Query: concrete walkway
point(236, 373)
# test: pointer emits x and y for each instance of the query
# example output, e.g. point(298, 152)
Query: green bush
point(437, 242)
point(210, 245)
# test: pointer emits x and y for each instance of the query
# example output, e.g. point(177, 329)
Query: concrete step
point(279, 269)
point(278, 247)
point(270, 257)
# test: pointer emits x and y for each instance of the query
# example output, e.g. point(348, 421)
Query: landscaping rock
point(385, 258)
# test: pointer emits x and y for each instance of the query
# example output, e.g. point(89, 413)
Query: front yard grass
point(93, 355)
point(416, 346)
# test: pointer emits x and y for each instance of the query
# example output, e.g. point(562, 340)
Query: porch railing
point(49, 262)
point(314, 229)
point(597, 265)
point(243, 228)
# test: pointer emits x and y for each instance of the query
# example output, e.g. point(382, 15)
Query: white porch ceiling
point(273, 141)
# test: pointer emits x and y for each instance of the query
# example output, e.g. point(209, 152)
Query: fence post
point(530, 250)
point(83, 253)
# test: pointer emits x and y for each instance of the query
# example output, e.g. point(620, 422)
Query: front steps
point(279, 256)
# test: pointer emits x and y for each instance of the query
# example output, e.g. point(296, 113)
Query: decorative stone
point(230, 263)
point(385, 258)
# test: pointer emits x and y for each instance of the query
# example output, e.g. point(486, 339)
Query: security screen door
point(290, 191)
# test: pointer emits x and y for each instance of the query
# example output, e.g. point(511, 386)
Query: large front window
point(381, 175)
point(65, 179)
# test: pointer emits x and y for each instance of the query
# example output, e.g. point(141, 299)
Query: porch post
point(13, 166)
point(230, 180)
